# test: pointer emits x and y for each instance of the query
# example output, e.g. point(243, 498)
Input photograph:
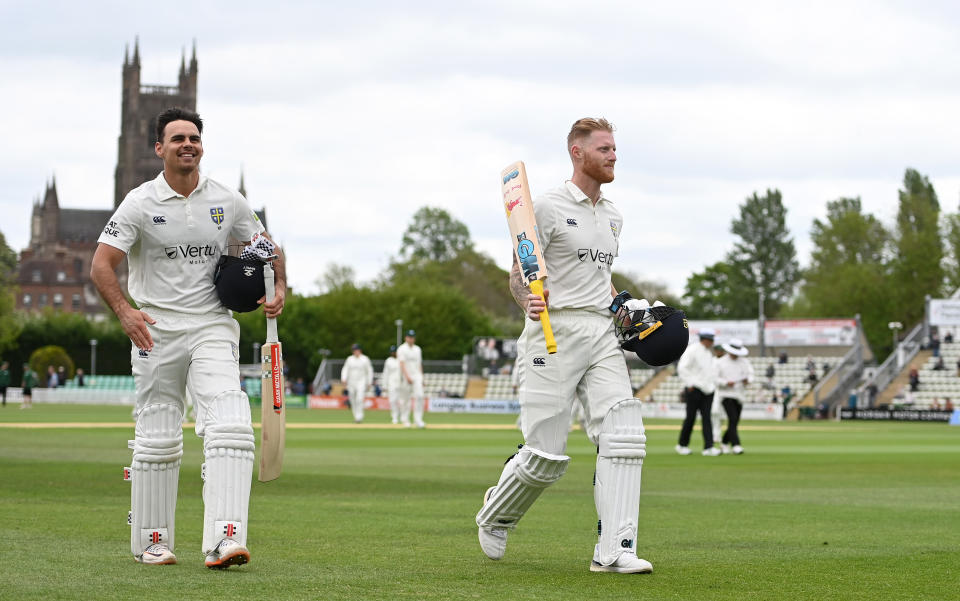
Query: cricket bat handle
point(536, 287)
point(268, 285)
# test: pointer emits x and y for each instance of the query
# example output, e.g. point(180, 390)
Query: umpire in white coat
point(734, 374)
point(697, 369)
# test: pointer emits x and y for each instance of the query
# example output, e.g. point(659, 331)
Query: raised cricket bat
point(273, 409)
point(525, 237)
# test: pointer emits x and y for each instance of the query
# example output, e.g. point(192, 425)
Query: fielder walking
point(173, 229)
point(4, 381)
point(357, 374)
point(410, 360)
point(390, 378)
point(579, 230)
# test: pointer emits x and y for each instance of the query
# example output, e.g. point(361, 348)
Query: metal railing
point(893, 365)
point(845, 375)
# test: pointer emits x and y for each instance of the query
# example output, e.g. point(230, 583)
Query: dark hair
point(177, 114)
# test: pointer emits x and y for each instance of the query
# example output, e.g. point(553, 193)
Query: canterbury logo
point(143, 354)
point(572, 222)
point(160, 220)
point(539, 361)
point(249, 271)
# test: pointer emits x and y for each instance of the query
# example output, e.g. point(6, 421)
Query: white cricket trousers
point(357, 391)
point(411, 393)
point(198, 353)
point(588, 365)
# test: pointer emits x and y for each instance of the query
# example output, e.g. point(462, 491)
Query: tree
point(641, 288)
point(917, 266)
point(952, 265)
point(335, 277)
point(9, 324)
point(434, 235)
point(848, 271)
point(51, 356)
point(764, 258)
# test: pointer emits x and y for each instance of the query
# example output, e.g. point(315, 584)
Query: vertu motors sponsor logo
point(595, 255)
point(194, 253)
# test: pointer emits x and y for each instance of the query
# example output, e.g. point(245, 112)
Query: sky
point(346, 117)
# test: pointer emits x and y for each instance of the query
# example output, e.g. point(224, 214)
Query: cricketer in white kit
point(391, 381)
point(357, 373)
point(579, 231)
point(410, 391)
point(173, 230)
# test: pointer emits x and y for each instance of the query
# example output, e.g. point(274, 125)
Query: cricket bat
point(525, 237)
point(273, 409)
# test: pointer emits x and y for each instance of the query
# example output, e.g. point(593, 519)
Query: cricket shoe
point(682, 450)
point(737, 449)
point(725, 448)
point(158, 555)
point(627, 563)
point(493, 541)
point(712, 452)
point(228, 552)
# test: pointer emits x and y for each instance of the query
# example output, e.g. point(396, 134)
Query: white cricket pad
point(623, 446)
point(524, 477)
point(154, 473)
point(228, 446)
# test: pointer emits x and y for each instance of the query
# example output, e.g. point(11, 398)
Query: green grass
point(816, 510)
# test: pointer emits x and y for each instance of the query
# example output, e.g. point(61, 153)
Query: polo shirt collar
point(578, 194)
point(165, 192)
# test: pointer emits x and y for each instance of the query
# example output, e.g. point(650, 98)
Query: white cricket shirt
point(391, 373)
point(411, 358)
point(173, 242)
point(736, 371)
point(357, 370)
point(698, 368)
point(579, 242)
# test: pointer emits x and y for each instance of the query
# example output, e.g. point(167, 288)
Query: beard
point(595, 169)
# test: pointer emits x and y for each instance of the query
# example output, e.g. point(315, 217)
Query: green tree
point(434, 235)
point(639, 287)
point(848, 272)
point(9, 323)
point(51, 356)
point(336, 276)
point(917, 265)
point(763, 258)
point(952, 262)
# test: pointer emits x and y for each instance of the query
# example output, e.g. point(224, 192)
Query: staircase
point(903, 378)
point(476, 388)
point(647, 389)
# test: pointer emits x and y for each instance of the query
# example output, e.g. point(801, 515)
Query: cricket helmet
point(239, 283)
point(658, 335)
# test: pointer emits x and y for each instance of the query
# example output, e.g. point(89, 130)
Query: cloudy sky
point(346, 117)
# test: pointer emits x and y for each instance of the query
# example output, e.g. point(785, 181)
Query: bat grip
point(536, 287)
point(268, 285)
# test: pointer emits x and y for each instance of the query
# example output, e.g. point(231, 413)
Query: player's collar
point(165, 192)
point(579, 195)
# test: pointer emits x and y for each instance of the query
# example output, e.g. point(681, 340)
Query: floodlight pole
point(399, 324)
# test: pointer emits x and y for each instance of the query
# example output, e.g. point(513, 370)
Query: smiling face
point(180, 148)
point(599, 155)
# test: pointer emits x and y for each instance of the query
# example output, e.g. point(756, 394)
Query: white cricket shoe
point(627, 563)
point(712, 452)
point(158, 555)
point(725, 448)
point(420, 424)
point(682, 450)
point(228, 552)
point(737, 449)
point(493, 541)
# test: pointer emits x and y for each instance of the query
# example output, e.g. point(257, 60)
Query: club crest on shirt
point(216, 214)
point(614, 229)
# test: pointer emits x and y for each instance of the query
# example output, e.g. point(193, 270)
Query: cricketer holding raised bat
point(173, 230)
point(579, 230)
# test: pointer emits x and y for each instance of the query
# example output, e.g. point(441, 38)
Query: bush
point(45, 356)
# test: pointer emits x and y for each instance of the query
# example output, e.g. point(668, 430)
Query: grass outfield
point(812, 511)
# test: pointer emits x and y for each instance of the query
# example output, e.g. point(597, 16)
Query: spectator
point(30, 380)
point(771, 371)
point(300, 388)
point(783, 357)
point(914, 379)
point(61, 376)
point(939, 365)
point(811, 366)
point(935, 344)
point(871, 394)
point(327, 388)
point(947, 405)
point(812, 375)
point(935, 404)
point(52, 380)
point(4, 381)
point(948, 338)
point(78, 378)
point(787, 396)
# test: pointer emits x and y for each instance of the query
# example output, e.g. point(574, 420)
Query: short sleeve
point(545, 214)
point(247, 223)
point(123, 229)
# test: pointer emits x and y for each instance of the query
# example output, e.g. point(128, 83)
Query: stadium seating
point(793, 373)
point(104, 382)
point(935, 385)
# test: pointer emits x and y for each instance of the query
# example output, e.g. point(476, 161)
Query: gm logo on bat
point(511, 175)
